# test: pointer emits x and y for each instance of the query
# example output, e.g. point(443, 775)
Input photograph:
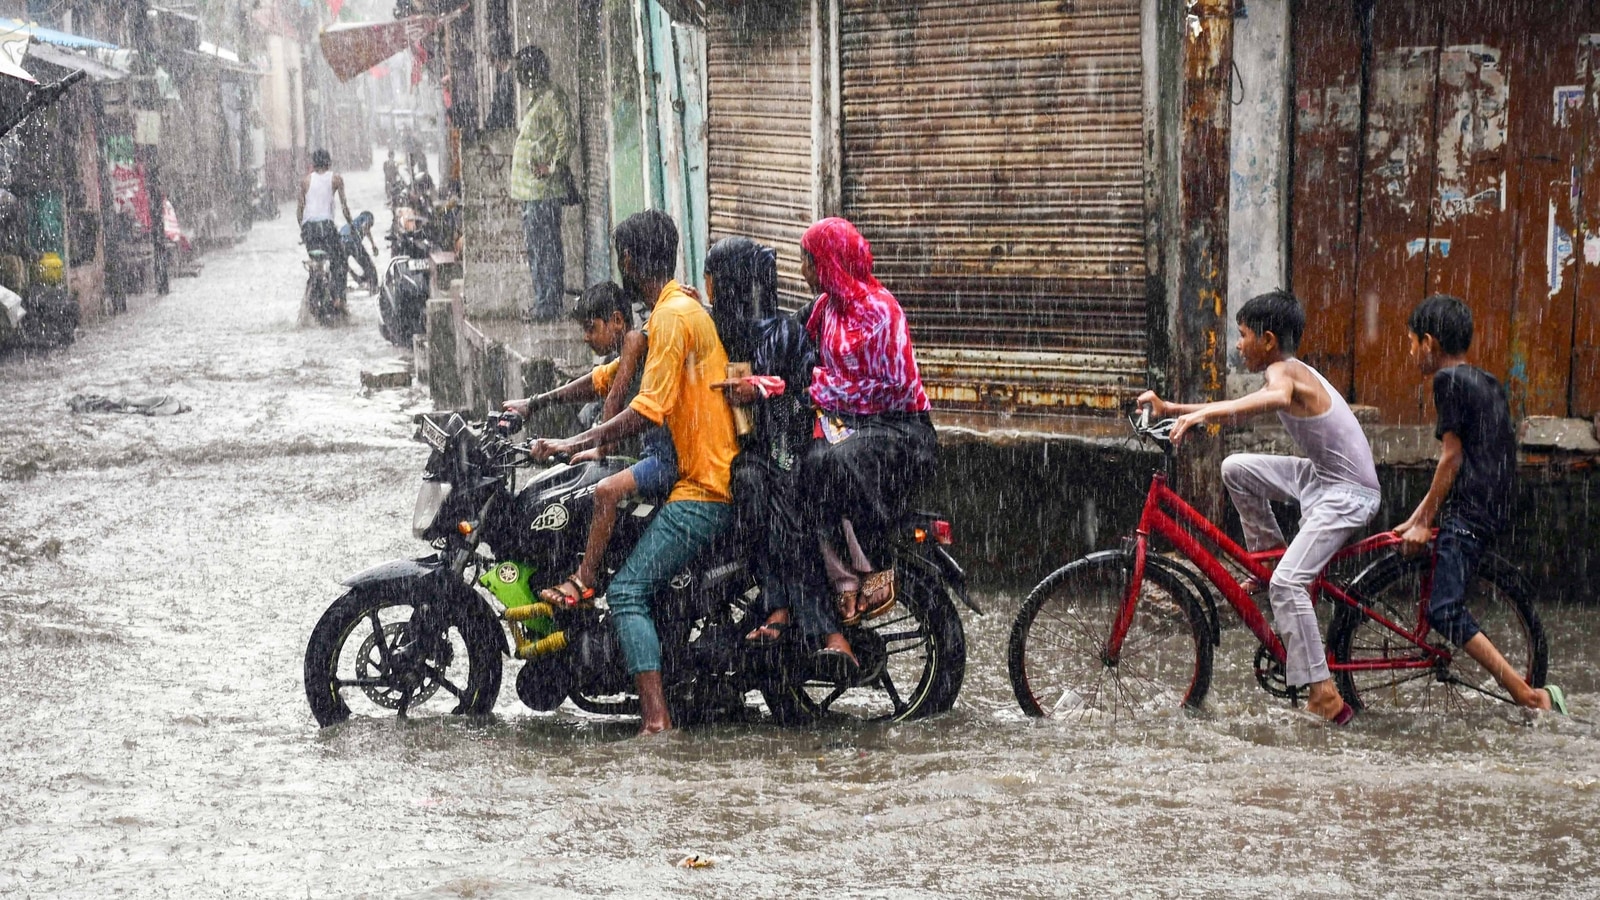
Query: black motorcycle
point(430, 635)
point(407, 280)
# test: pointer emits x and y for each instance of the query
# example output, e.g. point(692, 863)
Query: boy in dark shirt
point(1471, 489)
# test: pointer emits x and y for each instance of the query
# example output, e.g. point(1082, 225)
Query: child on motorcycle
point(606, 317)
point(350, 237)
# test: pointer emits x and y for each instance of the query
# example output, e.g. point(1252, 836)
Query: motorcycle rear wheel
point(365, 649)
point(913, 660)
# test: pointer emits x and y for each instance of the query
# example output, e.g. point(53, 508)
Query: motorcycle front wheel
point(372, 654)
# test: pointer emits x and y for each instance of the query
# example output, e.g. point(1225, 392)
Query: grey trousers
point(1330, 513)
point(541, 234)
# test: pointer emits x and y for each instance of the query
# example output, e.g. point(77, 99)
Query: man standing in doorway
point(544, 139)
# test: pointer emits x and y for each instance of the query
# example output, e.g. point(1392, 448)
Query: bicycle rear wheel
point(1058, 658)
point(1392, 587)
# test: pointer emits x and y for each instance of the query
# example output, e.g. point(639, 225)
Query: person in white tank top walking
point(315, 214)
point(1336, 483)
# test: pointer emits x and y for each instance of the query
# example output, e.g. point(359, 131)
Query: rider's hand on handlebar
point(521, 407)
point(1184, 423)
point(593, 454)
point(1158, 406)
point(543, 450)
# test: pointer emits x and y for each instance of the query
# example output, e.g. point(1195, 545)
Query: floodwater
point(159, 577)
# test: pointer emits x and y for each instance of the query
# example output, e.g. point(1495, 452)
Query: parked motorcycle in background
point(407, 279)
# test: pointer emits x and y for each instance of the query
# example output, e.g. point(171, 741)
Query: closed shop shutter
point(759, 117)
point(993, 155)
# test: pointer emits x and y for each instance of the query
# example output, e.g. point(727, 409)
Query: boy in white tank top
point(1335, 483)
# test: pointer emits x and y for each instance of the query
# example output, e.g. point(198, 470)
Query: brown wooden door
point(1396, 186)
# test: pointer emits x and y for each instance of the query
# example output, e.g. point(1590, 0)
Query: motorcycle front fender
point(427, 573)
point(952, 573)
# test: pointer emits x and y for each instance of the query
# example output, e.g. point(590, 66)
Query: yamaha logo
point(554, 518)
point(507, 573)
point(681, 581)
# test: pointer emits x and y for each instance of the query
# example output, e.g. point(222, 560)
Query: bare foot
point(1325, 700)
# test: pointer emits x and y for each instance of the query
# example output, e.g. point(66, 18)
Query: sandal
point(849, 609)
point(837, 666)
point(767, 634)
point(1558, 699)
point(877, 594)
point(581, 593)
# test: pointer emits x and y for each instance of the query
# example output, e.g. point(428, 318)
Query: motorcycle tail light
point(941, 532)
point(464, 527)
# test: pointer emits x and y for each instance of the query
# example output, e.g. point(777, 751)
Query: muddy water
point(158, 578)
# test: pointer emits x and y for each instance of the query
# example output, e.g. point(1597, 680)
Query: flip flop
point(854, 602)
point(755, 639)
point(1558, 699)
point(1346, 713)
point(833, 665)
point(557, 596)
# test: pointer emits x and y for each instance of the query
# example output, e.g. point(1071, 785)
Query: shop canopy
point(355, 48)
point(51, 36)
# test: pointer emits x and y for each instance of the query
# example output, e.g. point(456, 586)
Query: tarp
point(13, 47)
point(353, 49)
point(69, 60)
point(51, 36)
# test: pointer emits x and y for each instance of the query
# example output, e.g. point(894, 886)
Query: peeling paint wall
point(1259, 164)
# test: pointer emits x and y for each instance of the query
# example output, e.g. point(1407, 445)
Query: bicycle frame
point(1168, 516)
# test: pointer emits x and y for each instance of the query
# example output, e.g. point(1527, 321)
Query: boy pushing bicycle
point(1471, 489)
point(1336, 484)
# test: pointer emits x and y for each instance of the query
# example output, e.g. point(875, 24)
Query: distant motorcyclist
point(315, 214)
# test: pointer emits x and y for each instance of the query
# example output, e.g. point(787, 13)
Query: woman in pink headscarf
point(873, 444)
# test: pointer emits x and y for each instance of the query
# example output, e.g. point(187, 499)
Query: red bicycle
point(1131, 631)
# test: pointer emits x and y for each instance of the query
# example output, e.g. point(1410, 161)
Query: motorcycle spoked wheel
point(913, 660)
point(369, 656)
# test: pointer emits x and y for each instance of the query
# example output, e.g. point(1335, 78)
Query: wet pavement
point(159, 577)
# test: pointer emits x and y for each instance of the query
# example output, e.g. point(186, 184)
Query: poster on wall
point(129, 195)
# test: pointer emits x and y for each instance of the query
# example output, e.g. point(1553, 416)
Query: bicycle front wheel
point(1058, 656)
point(1497, 597)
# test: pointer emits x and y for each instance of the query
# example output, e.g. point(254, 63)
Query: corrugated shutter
point(759, 145)
point(993, 155)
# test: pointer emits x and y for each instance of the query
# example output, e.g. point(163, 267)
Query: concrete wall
point(1258, 198)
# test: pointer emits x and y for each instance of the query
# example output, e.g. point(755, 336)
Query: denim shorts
point(657, 472)
point(1457, 553)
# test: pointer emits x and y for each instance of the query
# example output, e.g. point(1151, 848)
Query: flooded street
point(159, 577)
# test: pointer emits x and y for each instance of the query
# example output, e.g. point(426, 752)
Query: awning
point(68, 60)
point(353, 49)
point(51, 36)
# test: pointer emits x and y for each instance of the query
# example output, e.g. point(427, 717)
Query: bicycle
point(1131, 631)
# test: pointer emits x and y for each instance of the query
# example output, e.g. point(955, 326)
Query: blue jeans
point(679, 532)
point(1457, 552)
point(541, 233)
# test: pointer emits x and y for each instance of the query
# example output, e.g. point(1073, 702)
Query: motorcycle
point(431, 634)
point(318, 301)
point(407, 279)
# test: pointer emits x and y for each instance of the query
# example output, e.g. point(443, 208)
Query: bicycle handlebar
point(1160, 431)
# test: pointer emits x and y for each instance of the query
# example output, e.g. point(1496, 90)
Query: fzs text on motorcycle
point(407, 279)
point(429, 635)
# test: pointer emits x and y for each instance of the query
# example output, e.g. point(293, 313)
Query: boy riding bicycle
point(1471, 489)
point(606, 316)
point(1336, 484)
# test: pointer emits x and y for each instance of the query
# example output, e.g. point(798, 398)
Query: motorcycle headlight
point(429, 501)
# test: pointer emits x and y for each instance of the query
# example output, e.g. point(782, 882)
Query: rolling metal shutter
point(759, 116)
point(993, 155)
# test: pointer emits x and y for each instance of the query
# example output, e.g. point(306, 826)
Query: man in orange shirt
point(685, 359)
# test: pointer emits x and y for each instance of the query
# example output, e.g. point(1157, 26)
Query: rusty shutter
point(993, 155)
point(759, 120)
